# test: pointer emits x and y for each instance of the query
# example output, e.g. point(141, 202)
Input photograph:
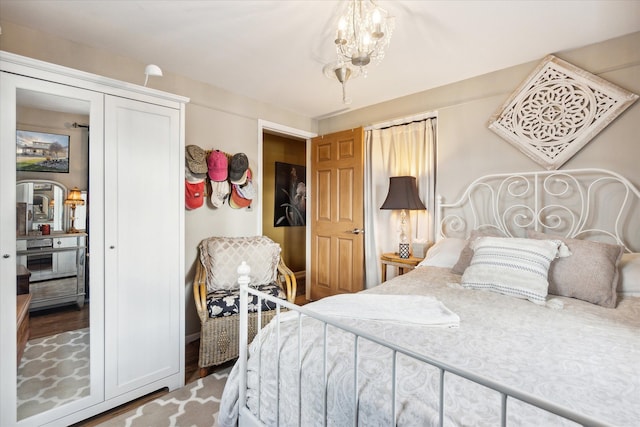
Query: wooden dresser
point(22, 279)
point(56, 263)
point(22, 314)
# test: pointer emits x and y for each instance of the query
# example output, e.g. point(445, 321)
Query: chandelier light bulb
point(340, 37)
point(376, 18)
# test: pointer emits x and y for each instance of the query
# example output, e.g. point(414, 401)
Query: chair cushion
point(226, 302)
point(221, 257)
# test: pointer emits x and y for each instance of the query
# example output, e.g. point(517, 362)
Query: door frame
point(298, 133)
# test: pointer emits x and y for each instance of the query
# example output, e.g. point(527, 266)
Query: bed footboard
point(249, 418)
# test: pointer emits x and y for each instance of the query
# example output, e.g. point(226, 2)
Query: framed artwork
point(557, 110)
point(42, 152)
point(290, 208)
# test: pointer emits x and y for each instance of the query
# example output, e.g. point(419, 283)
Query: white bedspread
point(583, 356)
point(400, 309)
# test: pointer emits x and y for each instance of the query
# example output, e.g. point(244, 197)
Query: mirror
point(40, 202)
point(55, 362)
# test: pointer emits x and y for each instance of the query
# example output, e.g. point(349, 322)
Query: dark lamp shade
point(403, 194)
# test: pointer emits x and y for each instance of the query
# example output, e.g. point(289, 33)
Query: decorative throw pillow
point(222, 255)
point(512, 266)
point(591, 274)
point(629, 282)
point(467, 252)
point(444, 253)
point(226, 302)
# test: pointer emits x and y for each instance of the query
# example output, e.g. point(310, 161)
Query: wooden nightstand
point(402, 264)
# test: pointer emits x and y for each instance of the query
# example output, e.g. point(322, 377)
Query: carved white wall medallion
point(557, 110)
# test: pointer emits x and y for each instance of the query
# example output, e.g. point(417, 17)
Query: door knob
point(6, 256)
point(357, 231)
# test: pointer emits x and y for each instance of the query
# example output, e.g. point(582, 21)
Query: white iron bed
point(508, 361)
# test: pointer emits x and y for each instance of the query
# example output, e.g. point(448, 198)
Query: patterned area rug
point(195, 405)
point(54, 370)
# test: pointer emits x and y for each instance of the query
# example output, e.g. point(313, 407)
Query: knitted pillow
point(467, 252)
point(512, 266)
point(222, 255)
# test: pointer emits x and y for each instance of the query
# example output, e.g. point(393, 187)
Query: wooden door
point(337, 217)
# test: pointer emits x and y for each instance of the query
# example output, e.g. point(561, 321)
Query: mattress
point(579, 355)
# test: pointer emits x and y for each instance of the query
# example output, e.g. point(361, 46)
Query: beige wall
point(215, 119)
point(467, 148)
point(292, 239)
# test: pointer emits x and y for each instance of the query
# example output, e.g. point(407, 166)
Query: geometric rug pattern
point(54, 370)
point(195, 405)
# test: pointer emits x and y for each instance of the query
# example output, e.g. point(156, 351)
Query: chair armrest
point(200, 291)
point(289, 279)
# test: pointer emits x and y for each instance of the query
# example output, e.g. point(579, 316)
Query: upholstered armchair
point(217, 294)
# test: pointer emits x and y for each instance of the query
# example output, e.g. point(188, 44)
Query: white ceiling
point(274, 51)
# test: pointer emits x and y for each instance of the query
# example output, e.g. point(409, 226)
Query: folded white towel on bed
point(405, 309)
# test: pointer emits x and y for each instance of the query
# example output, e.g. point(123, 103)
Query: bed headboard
point(593, 204)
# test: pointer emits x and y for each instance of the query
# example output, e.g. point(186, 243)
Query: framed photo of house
point(42, 152)
point(290, 195)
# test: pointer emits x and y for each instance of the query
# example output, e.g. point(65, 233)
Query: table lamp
point(74, 199)
point(403, 196)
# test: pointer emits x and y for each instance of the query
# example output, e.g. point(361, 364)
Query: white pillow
point(512, 266)
point(629, 281)
point(444, 253)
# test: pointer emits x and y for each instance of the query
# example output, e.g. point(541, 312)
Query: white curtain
point(398, 150)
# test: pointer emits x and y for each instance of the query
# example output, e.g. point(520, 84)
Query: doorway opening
point(285, 177)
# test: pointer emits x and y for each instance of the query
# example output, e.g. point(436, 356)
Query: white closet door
point(143, 235)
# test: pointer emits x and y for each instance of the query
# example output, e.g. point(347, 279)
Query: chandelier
point(362, 36)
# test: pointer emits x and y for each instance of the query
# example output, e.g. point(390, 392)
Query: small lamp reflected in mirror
point(74, 199)
point(403, 195)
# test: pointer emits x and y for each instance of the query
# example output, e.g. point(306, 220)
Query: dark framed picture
point(290, 207)
point(42, 152)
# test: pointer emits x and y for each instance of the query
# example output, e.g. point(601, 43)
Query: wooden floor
point(54, 321)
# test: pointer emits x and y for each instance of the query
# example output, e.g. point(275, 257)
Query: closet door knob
point(112, 247)
point(6, 256)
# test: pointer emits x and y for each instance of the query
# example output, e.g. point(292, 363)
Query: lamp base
point(72, 229)
point(404, 250)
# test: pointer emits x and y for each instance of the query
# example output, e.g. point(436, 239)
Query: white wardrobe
point(136, 235)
